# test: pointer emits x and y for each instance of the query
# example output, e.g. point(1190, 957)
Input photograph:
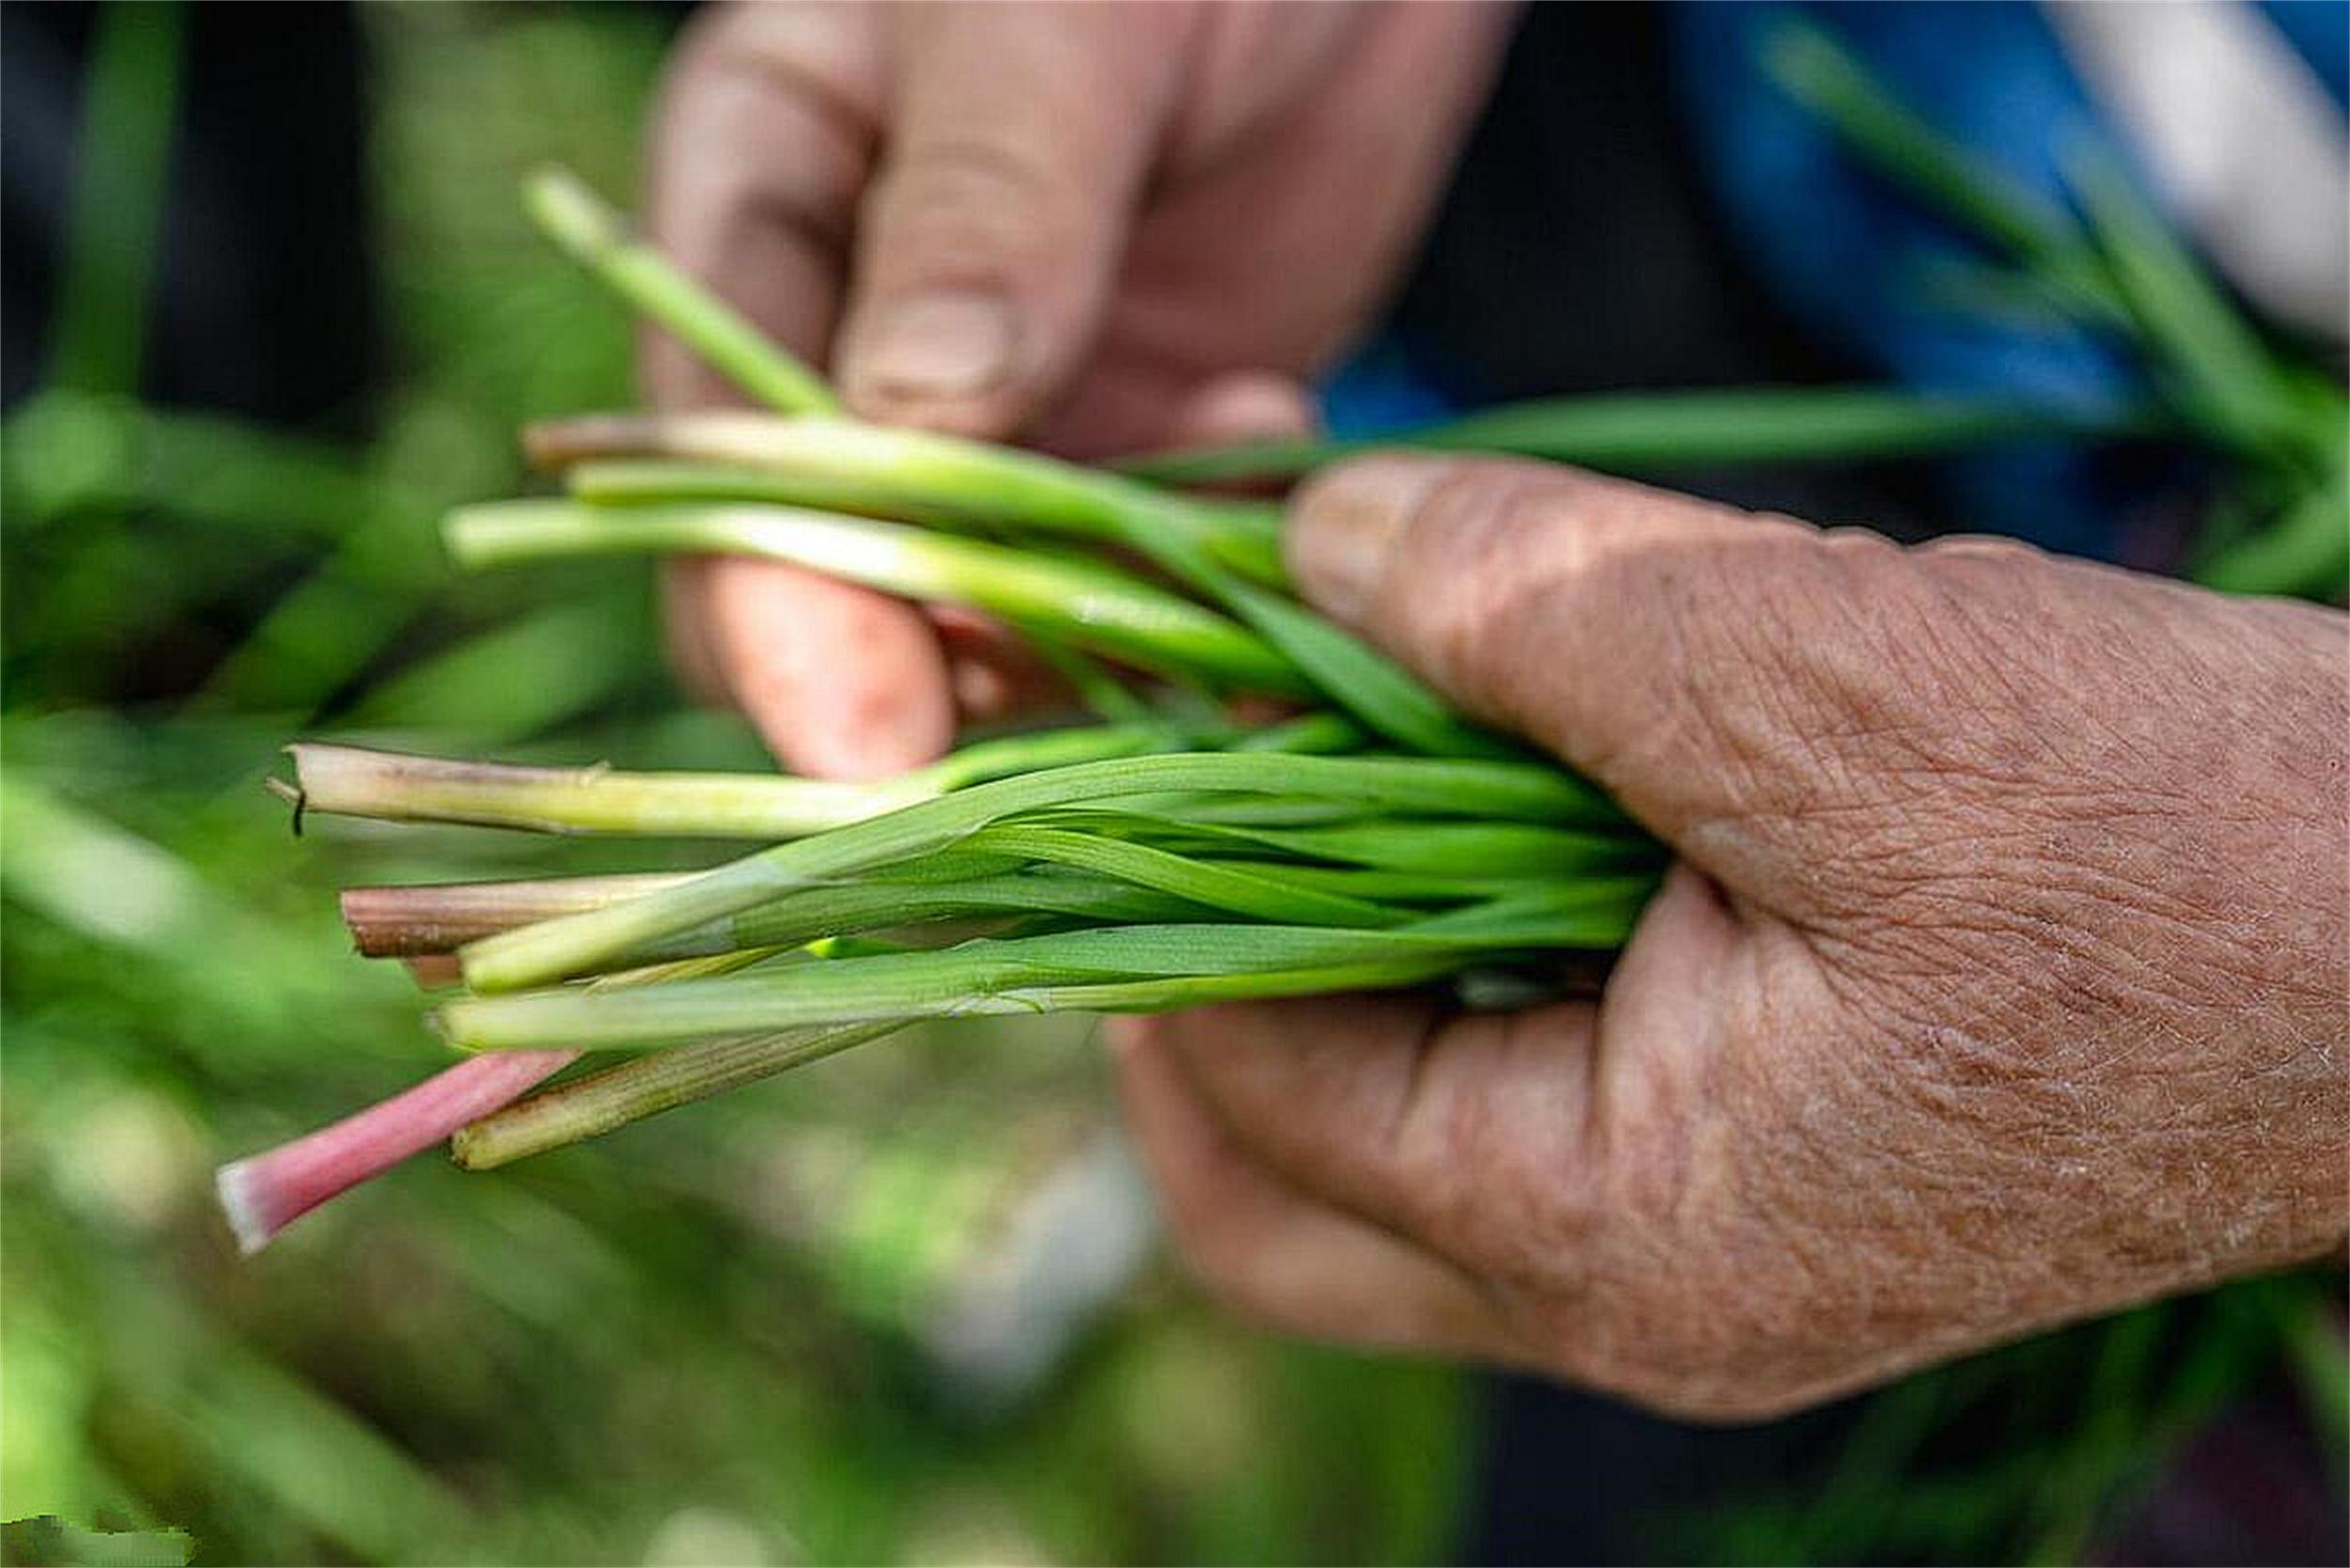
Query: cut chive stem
point(400, 922)
point(1518, 850)
point(1233, 566)
point(264, 1193)
point(687, 1018)
point(1086, 604)
point(1037, 973)
point(1261, 894)
point(597, 1103)
point(430, 922)
point(625, 482)
point(359, 782)
point(598, 238)
point(573, 944)
point(434, 971)
point(1005, 756)
point(916, 475)
point(892, 468)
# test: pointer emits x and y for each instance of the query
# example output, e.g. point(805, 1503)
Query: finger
point(1020, 138)
point(1247, 406)
point(685, 620)
point(1273, 1254)
point(992, 673)
point(839, 683)
point(1705, 665)
point(1124, 406)
point(763, 140)
point(995, 675)
point(1465, 1134)
point(1312, 144)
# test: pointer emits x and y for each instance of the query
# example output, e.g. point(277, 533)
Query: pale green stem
point(422, 922)
point(556, 949)
point(597, 1104)
point(1091, 606)
point(1191, 541)
point(686, 1021)
point(957, 980)
point(356, 781)
point(916, 475)
point(598, 238)
point(636, 481)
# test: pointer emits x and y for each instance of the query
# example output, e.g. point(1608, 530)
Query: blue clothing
point(1875, 276)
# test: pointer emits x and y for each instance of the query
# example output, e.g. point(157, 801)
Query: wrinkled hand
point(1081, 225)
point(2005, 977)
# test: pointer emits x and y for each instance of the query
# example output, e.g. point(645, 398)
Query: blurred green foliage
point(793, 1325)
point(898, 1306)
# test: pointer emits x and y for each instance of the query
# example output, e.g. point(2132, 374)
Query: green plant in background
point(2114, 268)
point(808, 1329)
point(763, 1330)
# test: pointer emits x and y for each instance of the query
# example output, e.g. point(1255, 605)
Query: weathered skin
point(1095, 228)
point(2005, 980)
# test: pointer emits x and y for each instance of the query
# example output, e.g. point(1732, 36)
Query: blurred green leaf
point(48, 1539)
point(2303, 549)
point(131, 95)
point(1816, 70)
point(1659, 432)
point(2223, 370)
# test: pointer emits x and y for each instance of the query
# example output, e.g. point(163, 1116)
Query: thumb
point(1018, 142)
point(1709, 667)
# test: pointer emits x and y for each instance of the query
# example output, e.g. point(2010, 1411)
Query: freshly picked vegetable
point(1166, 854)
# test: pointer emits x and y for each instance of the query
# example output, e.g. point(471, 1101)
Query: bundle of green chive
point(1165, 856)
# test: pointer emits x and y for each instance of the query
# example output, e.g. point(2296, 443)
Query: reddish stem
point(263, 1193)
point(406, 922)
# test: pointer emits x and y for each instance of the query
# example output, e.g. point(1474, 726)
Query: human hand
point(1085, 226)
point(2004, 978)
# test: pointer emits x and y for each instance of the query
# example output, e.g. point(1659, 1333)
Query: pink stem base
point(263, 1193)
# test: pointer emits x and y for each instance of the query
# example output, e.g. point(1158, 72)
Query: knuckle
point(761, 123)
point(1790, 663)
point(1507, 1183)
point(719, 48)
point(1467, 552)
point(706, 41)
point(987, 194)
point(1511, 581)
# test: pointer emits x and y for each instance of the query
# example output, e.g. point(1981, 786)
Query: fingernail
point(1343, 526)
point(947, 345)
